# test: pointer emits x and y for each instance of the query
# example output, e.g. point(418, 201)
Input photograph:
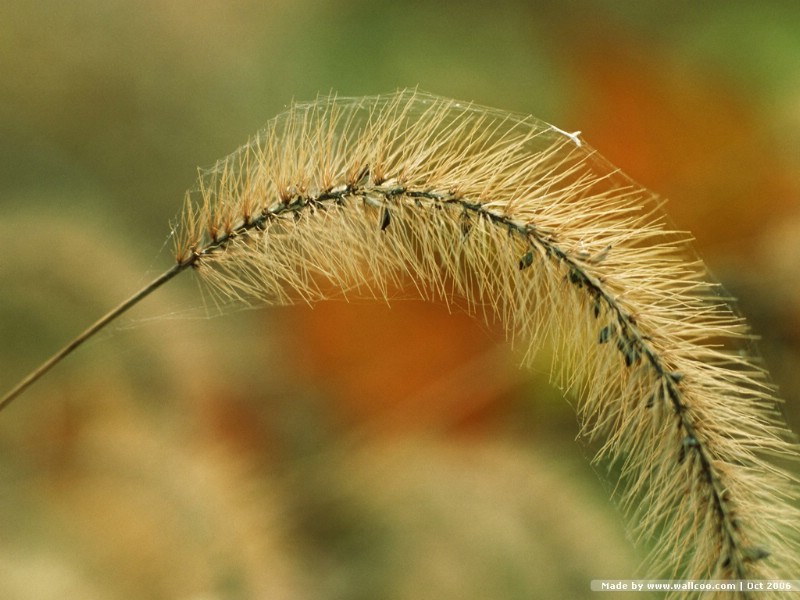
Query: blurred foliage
point(349, 451)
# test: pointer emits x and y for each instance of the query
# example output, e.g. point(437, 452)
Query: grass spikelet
point(526, 224)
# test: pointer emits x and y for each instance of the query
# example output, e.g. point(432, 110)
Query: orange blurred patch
point(408, 366)
point(690, 134)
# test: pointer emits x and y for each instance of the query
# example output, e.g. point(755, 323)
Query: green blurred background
point(349, 450)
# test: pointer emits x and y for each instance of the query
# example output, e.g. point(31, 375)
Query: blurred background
point(344, 451)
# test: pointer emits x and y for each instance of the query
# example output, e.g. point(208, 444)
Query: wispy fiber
point(520, 222)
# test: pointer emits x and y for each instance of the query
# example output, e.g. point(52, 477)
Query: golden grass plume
point(523, 223)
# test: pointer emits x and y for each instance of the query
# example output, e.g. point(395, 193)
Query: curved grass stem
point(76, 342)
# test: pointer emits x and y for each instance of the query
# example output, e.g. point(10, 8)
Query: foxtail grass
point(522, 223)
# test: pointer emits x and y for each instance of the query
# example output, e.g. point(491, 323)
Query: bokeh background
point(344, 451)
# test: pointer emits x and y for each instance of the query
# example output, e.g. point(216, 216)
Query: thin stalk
point(92, 329)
